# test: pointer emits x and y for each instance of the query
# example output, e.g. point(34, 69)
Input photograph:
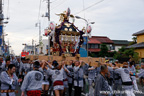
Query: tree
point(134, 41)
point(136, 57)
point(111, 54)
point(124, 54)
point(121, 50)
point(104, 51)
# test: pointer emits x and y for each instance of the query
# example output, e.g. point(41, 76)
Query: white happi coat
point(8, 83)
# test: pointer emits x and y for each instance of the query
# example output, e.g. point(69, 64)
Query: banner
point(1, 30)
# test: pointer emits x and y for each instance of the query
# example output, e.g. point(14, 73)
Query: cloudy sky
point(116, 19)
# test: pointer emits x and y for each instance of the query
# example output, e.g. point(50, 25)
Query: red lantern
point(46, 32)
point(89, 29)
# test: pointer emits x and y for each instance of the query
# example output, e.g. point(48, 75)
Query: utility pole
point(32, 46)
point(39, 32)
point(1, 20)
point(48, 10)
point(48, 21)
point(1, 14)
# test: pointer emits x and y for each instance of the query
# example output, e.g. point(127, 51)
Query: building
point(29, 48)
point(95, 42)
point(117, 44)
point(139, 47)
point(45, 46)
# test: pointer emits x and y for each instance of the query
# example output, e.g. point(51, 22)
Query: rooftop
point(121, 42)
point(139, 45)
point(93, 41)
point(138, 33)
point(100, 39)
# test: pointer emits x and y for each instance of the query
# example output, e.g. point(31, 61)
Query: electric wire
point(59, 4)
point(89, 7)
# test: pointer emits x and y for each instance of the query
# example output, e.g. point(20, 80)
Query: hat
point(36, 64)
point(23, 58)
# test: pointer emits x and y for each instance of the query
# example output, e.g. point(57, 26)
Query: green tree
point(104, 51)
point(111, 54)
point(136, 57)
point(124, 53)
point(134, 41)
point(121, 50)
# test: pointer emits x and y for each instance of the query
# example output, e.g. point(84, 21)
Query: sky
point(116, 19)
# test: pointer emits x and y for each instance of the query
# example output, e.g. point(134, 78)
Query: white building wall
point(45, 43)
point(117, 48)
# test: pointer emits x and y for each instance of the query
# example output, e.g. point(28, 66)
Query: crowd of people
point(67, 78)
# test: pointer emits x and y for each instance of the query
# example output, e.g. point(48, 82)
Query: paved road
point(83, 94)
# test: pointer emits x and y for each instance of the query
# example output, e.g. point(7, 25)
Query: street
point(83, 94)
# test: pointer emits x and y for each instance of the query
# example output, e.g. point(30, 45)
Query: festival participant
point(1, 60)
point(98, 68)
point(45, 83)
point(101, 83)
point(91, 78)
point(117, 83)
point(13, 59)
point(32, 83)
point(141, 75)
point(85, 67)
point(65, 80)
point(6, 64)
point(78, 78)
point(27, 66)
point(127, 84)
point(21, 69)
point(17, 63)
point(133, 70)
point(31, 65)
point(9, 81)
point(70, 77)
point(57, 77)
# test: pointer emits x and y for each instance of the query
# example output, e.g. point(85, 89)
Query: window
point(93, 46)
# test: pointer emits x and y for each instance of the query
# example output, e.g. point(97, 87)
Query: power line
point(54, 1)
point(89, 7)
point(59, 4)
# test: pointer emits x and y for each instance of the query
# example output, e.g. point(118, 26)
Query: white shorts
point(58, 87)
point(45, 83)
